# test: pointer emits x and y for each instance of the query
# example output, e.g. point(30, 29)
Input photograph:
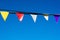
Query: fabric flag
point(46, 17)
point(4, 15)
point(34, 17)
point(20, 16)
point(56, 17)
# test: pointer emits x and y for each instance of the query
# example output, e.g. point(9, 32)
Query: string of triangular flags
point(20, 15)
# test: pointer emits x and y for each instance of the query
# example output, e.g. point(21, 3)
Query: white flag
point(46, 17)
point(34, 17)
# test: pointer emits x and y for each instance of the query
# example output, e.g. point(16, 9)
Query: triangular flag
point(4, 15)
point(34, 17)
point(46, 17)
point(20, 16)
point(56, 17)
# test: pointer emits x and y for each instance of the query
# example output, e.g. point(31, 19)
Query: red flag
point(20, 16)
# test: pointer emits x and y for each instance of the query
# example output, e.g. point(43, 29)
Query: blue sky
point(12, 29)
point(44, 6)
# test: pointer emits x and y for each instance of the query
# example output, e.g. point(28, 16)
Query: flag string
point(35, 13)
point(20, 14)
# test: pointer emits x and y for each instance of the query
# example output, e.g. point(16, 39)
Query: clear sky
point(12, 29)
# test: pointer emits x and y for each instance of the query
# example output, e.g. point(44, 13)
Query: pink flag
point(20, 16)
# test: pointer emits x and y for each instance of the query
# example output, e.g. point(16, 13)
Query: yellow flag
point(4, 15)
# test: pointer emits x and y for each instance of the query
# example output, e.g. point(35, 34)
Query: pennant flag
point(56, 17)
point(4, 15)
point(34, 17)
point(46, 17)
point(20, 16)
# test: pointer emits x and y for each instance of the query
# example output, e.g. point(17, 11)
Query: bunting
point(4, 15)
point(46, 17)
point(34, 17)
point(20, 16)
